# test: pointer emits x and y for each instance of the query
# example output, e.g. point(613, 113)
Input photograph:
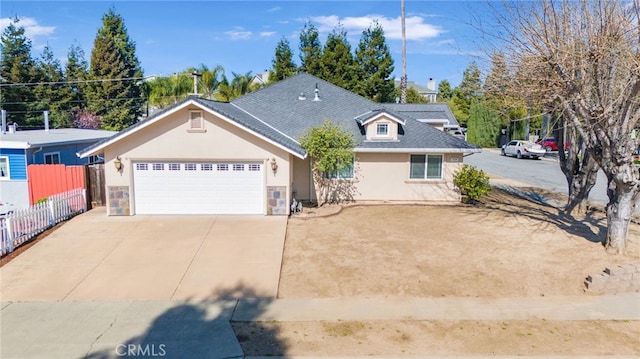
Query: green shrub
point(473, 183)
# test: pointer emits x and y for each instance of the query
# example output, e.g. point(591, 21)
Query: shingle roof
point(282, 112)
point(425, 111)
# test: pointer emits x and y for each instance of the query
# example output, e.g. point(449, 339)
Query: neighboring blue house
point(18, 149)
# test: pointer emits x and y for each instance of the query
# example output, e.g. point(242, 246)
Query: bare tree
point(589, 68)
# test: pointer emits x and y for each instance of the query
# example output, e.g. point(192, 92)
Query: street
point(544, 173)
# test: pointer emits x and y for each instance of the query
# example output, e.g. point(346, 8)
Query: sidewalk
point(182, 329)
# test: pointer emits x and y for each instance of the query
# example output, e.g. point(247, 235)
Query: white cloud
point(415, 27)
point(239, 33)
point(267, 33)
point(32, 30)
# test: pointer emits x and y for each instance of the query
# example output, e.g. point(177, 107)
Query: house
point(429, 92)
point(243, 157)
point(18, 149)
point(438, 115)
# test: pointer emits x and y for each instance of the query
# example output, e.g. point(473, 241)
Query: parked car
point(521, 148)
point(550, 144)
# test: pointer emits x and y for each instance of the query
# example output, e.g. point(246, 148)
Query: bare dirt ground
point(514, 244)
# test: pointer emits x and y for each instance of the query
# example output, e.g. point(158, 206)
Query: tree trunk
point(623, 191)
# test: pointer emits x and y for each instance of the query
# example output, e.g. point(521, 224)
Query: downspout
point(33, 155)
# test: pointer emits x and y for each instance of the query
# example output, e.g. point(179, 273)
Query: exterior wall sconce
point(117, 163)
point(274, 165)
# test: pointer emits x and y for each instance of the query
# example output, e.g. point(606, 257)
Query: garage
point(199, 188)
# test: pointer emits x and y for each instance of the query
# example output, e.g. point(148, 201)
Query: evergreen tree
point(445, 92)
point(484, 125)
point(51, 92)
point(310, 50)
point(468, 91)
point(17, 67)
point(283, 65)
point(75, 73)
point(117, 99)
point(374, 66)
point(337, 60)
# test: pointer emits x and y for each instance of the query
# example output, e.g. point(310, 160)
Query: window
point(426, 167)
point(196, 121)
point(158, 167)
point(238, 167)
point(174, 167)
point(189, 166)
point(346, 173)
point(206, 167)
point(4, 167)
point(382, 129)
point(142, 166)
point(52, 158)
point(222, 167)
point(254, 167)
point(95, 159)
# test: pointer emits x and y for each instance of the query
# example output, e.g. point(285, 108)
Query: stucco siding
point(385, 177)
point(170, 140)
point(14, 195)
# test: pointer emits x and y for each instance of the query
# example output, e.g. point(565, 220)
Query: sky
point(241, 36)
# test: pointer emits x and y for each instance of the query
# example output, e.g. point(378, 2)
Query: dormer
point(380, 126)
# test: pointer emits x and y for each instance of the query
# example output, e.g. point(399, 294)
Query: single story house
point(18, 149)
point(244, 157)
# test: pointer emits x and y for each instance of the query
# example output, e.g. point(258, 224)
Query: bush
point(472, 182)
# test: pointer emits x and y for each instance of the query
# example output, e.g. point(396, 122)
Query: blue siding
point(17, 163)
point(67, 154)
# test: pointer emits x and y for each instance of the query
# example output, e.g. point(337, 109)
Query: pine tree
point(374, 66)
point(445, 92)
point(51, 92)
point(310, 50)
point(17, 67)
point(75, 73)
point(337, 60)
point(283, 65)
point(117, 98)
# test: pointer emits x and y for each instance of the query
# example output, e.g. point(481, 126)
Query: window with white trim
point(52, 158)
point(254, 167)
point(238, 166)
point(196, 120)
point(158, 166)
point(346, 173)
point(189, 166)
point(142, 166)
point(222, 167)
point(426, 167)
point(206, 167)
point(174, 167)
point(4, 168)
point(382, 129)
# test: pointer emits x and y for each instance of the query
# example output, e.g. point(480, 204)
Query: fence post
point(84, 200)
point(52, 212)
point(9, 243)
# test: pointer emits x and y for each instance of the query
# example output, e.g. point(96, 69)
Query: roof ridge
point(266, 124)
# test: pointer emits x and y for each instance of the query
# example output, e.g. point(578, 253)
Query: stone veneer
point(276, 200)
point(118, 200)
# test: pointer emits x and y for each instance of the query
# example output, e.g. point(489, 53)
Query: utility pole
point(403, 79)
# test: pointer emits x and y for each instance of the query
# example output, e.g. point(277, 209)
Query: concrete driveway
point(95, 257)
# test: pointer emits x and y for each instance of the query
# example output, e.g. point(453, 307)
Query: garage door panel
point(204, 188)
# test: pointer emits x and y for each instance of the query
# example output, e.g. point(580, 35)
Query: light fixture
point(274, 165)
point(117, 163)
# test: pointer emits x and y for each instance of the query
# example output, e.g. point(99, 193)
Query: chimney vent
point(316, 97)
point(46, 121)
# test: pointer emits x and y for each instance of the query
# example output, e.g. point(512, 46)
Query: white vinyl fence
point(22, 225)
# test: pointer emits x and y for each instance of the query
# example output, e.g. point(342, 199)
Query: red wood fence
point(47, 180)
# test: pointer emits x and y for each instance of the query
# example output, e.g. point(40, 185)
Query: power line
point(68, 82)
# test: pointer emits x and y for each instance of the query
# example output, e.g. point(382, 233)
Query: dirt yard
point(512, 245)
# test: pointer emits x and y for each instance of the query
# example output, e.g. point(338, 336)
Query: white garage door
point(199, 188)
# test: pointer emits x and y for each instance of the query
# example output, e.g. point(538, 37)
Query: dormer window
point(382, 129)
point(196, 121)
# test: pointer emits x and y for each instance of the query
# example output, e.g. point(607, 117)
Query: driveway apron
point(95, 257)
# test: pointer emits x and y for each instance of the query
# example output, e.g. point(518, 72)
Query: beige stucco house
point(243, 157)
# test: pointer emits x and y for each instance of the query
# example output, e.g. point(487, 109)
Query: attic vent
point(302, 96)
point(316, 97)
point(195, 119)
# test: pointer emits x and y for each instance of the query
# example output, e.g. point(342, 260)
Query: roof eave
point(417, 150)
